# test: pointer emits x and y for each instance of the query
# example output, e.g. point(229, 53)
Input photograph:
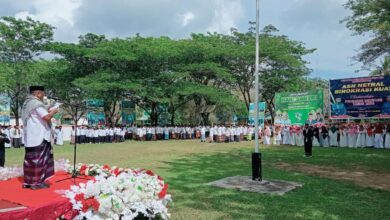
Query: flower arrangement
point(117, 193)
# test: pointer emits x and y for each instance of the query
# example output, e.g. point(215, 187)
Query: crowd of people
point(96, 135)
point(351, 135)
point(15, 135)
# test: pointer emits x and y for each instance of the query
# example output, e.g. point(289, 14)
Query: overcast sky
point(314, 22)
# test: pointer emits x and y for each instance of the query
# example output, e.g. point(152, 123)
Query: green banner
point(128, 112)
point(299, 108)
point(95, 112)
point(251, 116)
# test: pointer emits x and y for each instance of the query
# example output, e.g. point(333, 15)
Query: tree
point(372, 17)
point(283, 68)
point(20, 41)
point(383, 69)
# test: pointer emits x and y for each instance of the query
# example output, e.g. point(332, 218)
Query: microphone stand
point(74, 173)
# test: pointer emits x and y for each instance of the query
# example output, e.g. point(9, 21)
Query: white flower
point(126, 195)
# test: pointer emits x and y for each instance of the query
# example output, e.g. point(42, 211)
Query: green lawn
point(188, 165)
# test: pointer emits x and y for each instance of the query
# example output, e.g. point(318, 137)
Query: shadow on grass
point(319, 198)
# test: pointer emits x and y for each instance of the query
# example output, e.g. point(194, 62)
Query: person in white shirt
point(7, 131)
point(203, 134)
point(38, 161)
point(83, 135)
point(78, 134)
point(123, 134)
point(95, 139)
point(16, 137)
point(154, 137)
point(111, 134)
point(73, 135)
point(60, 136)
point(148, 133)
point(166, 133)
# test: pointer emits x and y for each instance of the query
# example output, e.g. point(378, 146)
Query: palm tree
point(384, 69)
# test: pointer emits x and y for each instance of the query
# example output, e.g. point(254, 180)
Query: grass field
point(188, 165)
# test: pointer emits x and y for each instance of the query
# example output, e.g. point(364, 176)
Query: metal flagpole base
point(256, 167)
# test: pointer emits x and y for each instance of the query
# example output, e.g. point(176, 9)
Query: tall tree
point(370, 17)
point(20, 42)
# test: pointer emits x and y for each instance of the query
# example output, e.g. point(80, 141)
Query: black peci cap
point(36, 88)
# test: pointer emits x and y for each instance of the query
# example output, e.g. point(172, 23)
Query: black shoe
point(40, 186)
point(26, 186)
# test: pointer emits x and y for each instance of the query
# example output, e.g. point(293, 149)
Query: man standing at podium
point(38, 161)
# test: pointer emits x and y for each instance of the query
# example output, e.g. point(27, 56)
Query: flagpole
point(256, 156)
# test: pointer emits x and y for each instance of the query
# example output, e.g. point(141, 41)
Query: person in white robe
point(293, 135)
point(267, 135)
point(286, 135)
point(370, 136)
point(387, 137)
point(361, 137)
point(343, 136)
point(352, 135)
point(333, 132)
point(378, 136)
point(316, 137)
point(300, 138)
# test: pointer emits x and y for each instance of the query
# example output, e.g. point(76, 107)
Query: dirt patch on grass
point(360, 176)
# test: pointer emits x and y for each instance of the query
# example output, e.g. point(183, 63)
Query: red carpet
point(40, 204)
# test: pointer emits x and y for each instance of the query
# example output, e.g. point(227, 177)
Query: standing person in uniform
point(38, 161)
point(60, 136)
point(16, 137)
point(3, 139)
point(308, 135)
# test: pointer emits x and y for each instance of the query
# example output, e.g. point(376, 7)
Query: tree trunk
point(16, 113)
point(205, 118)
point(173, 116)
point(154, 115)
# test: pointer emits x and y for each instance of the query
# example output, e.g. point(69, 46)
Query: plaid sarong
point(38, 164)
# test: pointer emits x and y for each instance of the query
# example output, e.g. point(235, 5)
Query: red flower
point(106, 167)
point(90, 203)
point(79, 197)
point(150, 173)
point(116, 171)
point(85, 206)
point(163, 192)
point(83, 168)
point(95, 204)
point(160, 178)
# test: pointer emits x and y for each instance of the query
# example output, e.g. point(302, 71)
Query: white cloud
point(187, 17)
point(59, 13)
point(226, 15)
point(52, 12)
point(314, 22)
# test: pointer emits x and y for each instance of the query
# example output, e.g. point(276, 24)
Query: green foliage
point(193, 77)
point(372, 17)
point(383, 69)
point(21, 41)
